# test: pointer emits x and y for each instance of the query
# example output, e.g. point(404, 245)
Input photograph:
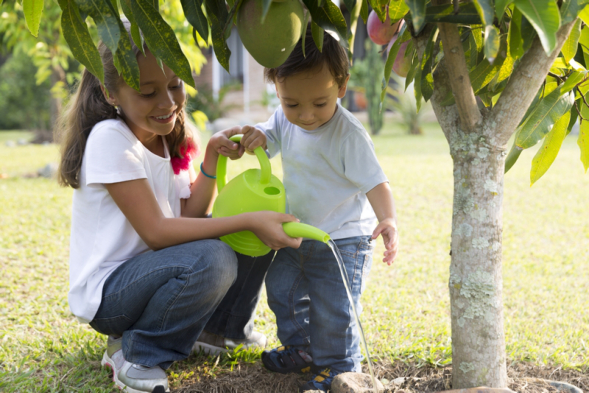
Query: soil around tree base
point(523, 378)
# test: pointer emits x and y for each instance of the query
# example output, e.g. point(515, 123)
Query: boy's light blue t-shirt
point(327, 172)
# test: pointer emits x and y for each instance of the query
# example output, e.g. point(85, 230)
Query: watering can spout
point(297, 229)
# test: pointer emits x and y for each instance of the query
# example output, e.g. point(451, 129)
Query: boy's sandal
point(287, 359)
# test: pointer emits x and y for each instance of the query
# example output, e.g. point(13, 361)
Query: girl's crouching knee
point(222, 263)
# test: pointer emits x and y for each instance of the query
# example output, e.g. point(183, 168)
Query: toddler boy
point(333, 181)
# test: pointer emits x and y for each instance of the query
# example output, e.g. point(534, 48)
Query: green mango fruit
point(270, 42)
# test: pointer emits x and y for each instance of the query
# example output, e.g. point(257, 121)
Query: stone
point(10, 144)
point(49, 171)
point(560, 386)
point(22, 142)
point(479, 390)
point(354, 383)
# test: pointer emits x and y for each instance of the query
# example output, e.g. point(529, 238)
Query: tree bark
point(476, 283)
point(478, 151)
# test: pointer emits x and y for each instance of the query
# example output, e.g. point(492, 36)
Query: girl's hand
point(220, 143)
point(267, 226)
point(388, 229)
point(252, 138)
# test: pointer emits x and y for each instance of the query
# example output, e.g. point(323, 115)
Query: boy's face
point(309, 99)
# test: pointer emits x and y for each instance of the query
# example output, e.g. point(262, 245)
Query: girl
point(145, 267)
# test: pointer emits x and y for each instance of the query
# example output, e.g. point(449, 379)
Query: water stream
point(345, 279)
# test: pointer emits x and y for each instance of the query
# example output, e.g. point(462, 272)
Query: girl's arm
point(381, 200)
point(137, 202)
point(203, 189)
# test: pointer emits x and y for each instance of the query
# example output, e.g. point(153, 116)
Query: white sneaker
point(133, 378)
point(213, 344)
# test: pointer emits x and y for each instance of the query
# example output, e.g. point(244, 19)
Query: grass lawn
point(406, 306)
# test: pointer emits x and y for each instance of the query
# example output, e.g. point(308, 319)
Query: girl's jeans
point(307, 294)
point(160, 301)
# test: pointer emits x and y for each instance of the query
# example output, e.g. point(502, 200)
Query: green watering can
point(251, 191)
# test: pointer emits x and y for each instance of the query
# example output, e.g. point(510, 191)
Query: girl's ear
point(110, 99)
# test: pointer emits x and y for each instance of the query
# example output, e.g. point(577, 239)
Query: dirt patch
point(524, 378)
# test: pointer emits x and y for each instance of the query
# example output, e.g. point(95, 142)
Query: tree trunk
point(476, 284)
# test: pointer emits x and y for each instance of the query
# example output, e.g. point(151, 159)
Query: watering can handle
point(262, 158)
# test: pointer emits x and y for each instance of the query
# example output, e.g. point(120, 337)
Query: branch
point(522, 87)
point(447, 116)
point(459, 79)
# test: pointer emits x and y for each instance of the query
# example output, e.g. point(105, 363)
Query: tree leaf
point(364, 11)
point(404, 35)
point(33, 10)
point(483, 74)
point(161, 39)
point(196, 17)
point(467, 14)
point(583, 139)
point(550, 148)
point(417, 9)
point(569, 10)
point(106, 20)
point(414, 65)
point(569, 49)
point(218, 15)
point(512, 157)
point(126, 60)
point(541, 120)
point(304, 33)
point(506, 65)
point(380, 8)
point(427, 78)
point(491, 43)
point(572, 80)
point(584, 15)
point(545, 17)
point(485, 10)
point(317, 34)
point(76, 34)
point(266, 7)
point(397, 10)
point(329, 17)
point(350, 4)
point(135, 32)
point(354, 16)
point(514, 36)
point(500, 7)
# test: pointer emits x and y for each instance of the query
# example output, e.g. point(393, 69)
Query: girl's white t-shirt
point(101, 236)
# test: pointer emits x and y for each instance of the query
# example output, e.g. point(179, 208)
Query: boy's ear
point(342, 90)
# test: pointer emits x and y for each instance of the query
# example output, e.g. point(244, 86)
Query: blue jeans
point(160, 301)
point(307, 294)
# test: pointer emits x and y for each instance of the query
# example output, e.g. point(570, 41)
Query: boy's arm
point(381, 200)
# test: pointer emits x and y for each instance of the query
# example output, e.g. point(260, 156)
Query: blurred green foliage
point(23, 103)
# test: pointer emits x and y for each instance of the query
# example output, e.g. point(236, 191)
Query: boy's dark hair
point(333, 55)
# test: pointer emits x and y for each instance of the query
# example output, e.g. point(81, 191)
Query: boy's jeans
point(306, 292)
point(160, 301)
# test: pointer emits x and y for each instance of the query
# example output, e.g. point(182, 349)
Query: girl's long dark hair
point(88, 106)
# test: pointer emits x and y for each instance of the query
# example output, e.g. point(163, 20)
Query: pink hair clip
point(189, 151)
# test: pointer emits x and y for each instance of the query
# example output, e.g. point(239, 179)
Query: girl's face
point(309, 99)
point(153, 110)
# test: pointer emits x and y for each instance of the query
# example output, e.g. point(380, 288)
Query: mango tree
point(491, 68)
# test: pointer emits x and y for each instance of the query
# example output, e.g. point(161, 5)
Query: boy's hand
point(252, 138)
point(388, 229)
